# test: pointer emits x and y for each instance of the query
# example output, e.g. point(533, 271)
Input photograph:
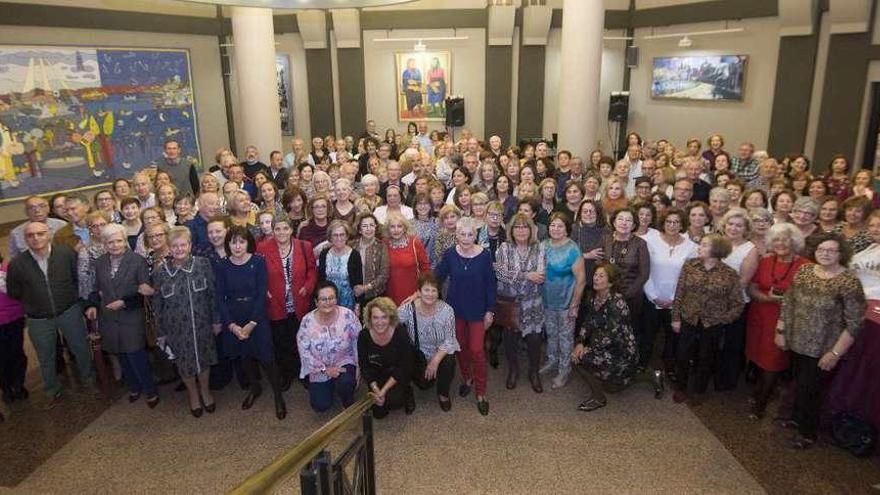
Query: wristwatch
point(324, 369)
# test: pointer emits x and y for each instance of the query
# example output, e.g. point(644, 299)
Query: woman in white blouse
point(668, 250)
point(431, 325)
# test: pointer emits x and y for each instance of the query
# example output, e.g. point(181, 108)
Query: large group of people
point(386, 262)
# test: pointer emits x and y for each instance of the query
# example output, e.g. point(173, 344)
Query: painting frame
point(285, 93)
point(149, 94)
point(422, 99)
point(703, 74)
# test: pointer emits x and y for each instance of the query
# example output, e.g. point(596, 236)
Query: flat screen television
point(704, 78)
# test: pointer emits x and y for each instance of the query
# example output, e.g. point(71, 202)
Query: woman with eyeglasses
point(821, 317)
point(668, 252)
point(520, 270)
point(342, 265)
point(327, 343)
point(761, 220)
point(772, 279)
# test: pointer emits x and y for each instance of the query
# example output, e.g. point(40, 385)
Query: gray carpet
point(528, 444)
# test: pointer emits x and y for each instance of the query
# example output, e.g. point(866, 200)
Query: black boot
point(533, 347)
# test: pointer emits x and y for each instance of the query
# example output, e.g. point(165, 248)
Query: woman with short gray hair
point(774, 275)
point(472, 288)
point(116, 302)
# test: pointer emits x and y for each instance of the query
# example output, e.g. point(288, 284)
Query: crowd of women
point(382, 263)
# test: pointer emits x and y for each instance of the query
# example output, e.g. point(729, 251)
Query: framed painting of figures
point(423, 82)
point(711, 78)
point(75, 118)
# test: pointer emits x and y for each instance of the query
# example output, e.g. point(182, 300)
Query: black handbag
point(852, 434)
point(420, 361)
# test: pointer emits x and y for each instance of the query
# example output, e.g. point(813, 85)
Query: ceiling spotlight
point(419, 46)
point(685, 42)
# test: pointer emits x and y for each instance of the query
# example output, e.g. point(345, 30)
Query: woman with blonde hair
point(386, 359)
point(407, 259)
point(614, 197)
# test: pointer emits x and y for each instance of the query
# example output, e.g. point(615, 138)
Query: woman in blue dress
point(242, 281)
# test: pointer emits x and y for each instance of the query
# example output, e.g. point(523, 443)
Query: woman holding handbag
point(520, 306)
point(431, 326)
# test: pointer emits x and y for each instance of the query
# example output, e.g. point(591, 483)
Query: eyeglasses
point(37, 207)
point(494, 215)
point(827, 250)
point(156, 235)
point(328, 299)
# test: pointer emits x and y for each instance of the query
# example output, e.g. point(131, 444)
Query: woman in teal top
point(563, 287)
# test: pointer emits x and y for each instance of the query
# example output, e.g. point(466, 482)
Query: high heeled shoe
point(197, 412)
point(535, 380)
point(280, 409)
point(659, 384)
point(250, 399)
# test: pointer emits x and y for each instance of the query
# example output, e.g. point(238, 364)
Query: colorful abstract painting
point(75, 118)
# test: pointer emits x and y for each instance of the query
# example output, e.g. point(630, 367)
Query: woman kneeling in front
point(386, 357)
point(327, 342)
point(606, 347)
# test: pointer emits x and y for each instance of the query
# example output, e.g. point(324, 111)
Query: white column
point(254, 60)
point(583, 24)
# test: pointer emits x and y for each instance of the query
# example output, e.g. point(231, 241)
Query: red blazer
point(305, 274)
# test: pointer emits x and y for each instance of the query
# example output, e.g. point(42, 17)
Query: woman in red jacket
point(292, 277)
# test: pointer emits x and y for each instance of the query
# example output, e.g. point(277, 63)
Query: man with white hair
point(744, 164)
point(298, 153)
point(424, 139)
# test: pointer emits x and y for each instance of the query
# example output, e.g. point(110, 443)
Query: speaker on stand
point(618, 111)
point(454, 113)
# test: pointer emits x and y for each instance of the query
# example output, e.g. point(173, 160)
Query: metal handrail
point(292, 461)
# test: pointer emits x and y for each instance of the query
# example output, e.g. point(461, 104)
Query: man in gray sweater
point(44, 279)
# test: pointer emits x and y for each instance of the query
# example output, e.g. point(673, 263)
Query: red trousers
point(472, 358)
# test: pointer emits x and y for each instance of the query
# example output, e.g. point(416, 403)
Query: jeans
point(42, 332)
point(443, 378)
point(321, 393)
point(13, 361)
point(560, 339)
point(472, 358)
point(138, 373)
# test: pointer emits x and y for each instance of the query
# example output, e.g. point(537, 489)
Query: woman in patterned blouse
point(708, 298)
point(327, 342)
point(606, 347)
point(820, 319)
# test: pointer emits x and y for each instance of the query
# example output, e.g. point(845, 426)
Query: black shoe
point(591, 404)
point(152, 402)
point(445, 405)
point(535, 380)
point(180, 387)
point(133, 397)
point(210, 408)
point(464, 389)
point(493, 358)
point(250, 399)
point(409, 405)
point(659, 385)
point(197, 412)
point(512, 376)
point(483, 407)
point(280, 408)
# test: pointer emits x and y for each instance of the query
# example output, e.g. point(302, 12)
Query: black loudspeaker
point(632, 56)
point(618, 107)
point(454, 112)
